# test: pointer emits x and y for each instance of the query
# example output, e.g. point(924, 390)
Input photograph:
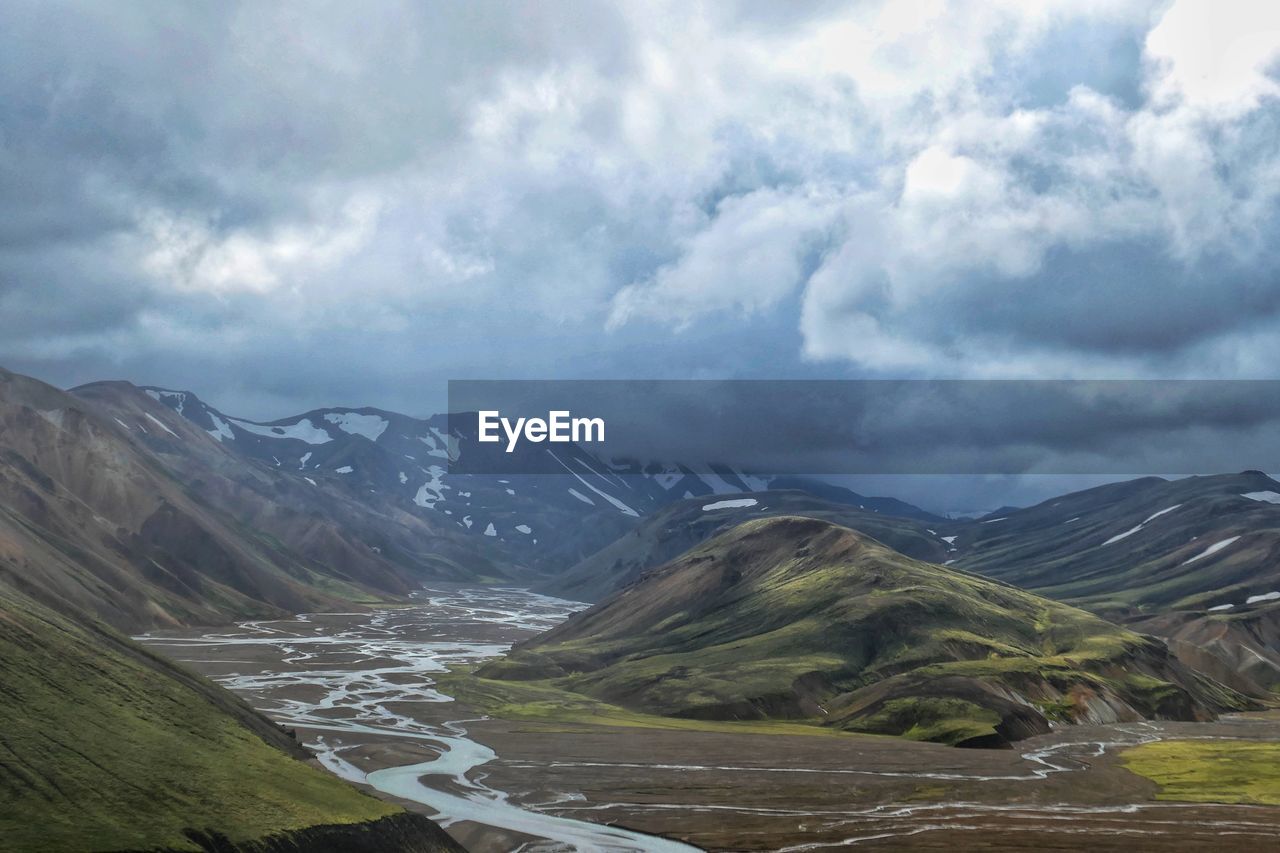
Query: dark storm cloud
point(290, 205)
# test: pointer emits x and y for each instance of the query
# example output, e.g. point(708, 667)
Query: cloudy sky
point(283, 206)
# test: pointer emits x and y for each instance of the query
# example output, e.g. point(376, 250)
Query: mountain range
point(719, 595)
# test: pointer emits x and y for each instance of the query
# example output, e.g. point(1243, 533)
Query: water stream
point(330, 692)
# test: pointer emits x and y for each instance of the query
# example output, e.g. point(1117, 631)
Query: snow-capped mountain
point(565, 503)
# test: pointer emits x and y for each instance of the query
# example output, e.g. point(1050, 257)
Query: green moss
point(1210, 771)
point(940, 720)
point(1060, 711)
point(105, 747)
point(543, 701)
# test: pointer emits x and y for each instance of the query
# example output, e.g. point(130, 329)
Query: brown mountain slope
point(95, 514)
point(1239, 647)
point(370, 536)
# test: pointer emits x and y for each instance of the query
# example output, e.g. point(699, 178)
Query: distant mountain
point(1137, 547)
point(669, 532)
point(800, 618)
point(839, 494)
point(566, 504)
point(353, 532)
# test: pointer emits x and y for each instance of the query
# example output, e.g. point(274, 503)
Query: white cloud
point(749, 256)
point(1215, 56)
point(190, 254)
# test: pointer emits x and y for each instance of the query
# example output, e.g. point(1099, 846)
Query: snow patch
point(1125, 535)
point(580, 496)
point(404, 478)
point(1156, 515)
point(303, 430)
point(309, 480)
point(345, 469)
point(440, 445)
point(950, 540)
point(431, 492)
point(994, 520)
point(370, 426)
point(1221, 607)
point(1267, 497)
point(162, 396)
point(1213, 549)
point(1134, 530)
point(1267, 596)
point(221, 429)
point(490, 531)
point(619, 505)
point(736, 503)
point(524, 528)
point(719, 485)
point(160, 424)
point(668, 477)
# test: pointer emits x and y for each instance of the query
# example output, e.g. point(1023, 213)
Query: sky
point(284, 206)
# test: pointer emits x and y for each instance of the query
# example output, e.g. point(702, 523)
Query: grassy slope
point(543, 701)
point(779, 616)
point(1210, 771)
point(105, 747)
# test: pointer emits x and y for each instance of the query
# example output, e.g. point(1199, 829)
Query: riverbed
point(359, 690)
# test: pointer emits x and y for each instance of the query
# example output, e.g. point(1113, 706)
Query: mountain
point(801, 618)
point(565, 504)
point(1139, 547)
point(108, 747)
point(89, 519)
point(1239, 646)
point(669, 532)
point(839, 494)
point(318, 514)
point(111, 504)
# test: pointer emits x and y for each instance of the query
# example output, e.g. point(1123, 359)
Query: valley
point(769, 664)
point(368, 693)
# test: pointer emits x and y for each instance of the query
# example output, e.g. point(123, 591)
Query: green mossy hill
point(671, 531)
point(104, 746)
point(798, 618)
